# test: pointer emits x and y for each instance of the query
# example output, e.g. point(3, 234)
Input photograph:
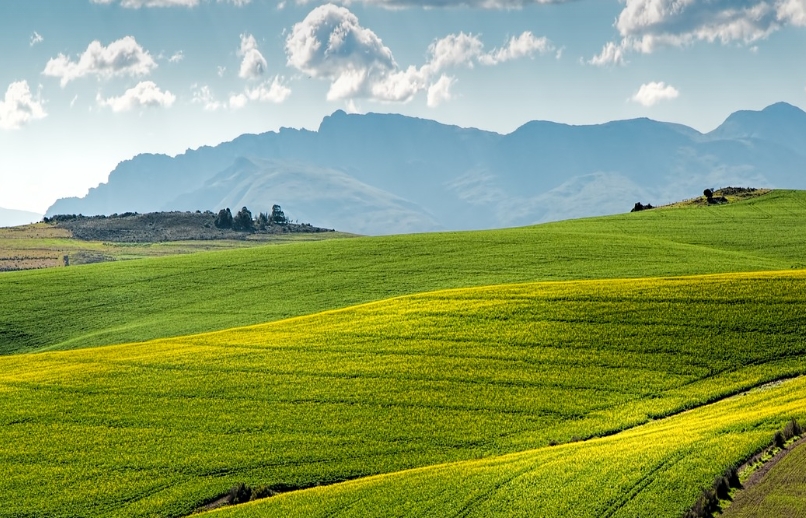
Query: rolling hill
point(387, 174)
point(412, 375)
point(122, 302)
point(161, 428)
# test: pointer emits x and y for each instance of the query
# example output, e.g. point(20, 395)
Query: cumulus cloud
point(480, 4)
point(137, 4)
point(204, 96)
point(652, 93)
point(270, 91)
point(330, 44)
point(124, 57)
point(145, 95)
point(440, 91)
point(253, 64)
point(645, 25)
point(19, 106)
point(36, 38)
point(177, 57)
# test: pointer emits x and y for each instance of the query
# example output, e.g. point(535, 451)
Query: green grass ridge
point(439, 384)
point(151, 298)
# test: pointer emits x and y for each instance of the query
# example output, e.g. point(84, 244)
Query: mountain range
point(386, 173)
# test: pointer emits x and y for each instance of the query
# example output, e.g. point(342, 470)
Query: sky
point(85, 84)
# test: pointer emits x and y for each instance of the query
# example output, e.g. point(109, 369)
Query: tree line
point(244, 221)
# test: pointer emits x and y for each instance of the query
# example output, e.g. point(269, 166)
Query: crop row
point(652, 470)
point(161, 427)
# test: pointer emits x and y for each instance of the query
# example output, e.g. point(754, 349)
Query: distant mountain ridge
point(383, 174)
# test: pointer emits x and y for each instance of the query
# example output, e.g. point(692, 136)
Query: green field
point(781, 493)
point(653, 470)
point(158, 428)
point(430, 372)
point(139, 300)
point(44, 246)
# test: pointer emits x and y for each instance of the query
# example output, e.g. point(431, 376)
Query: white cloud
point(523, 46)
point(145, 95)
point(177, 57)
point(645, 25)
point(612, 54)
point(273, 91)
point(253, 64)
point(124, 57)
point(19, 107)
point(202, 95)
point(36, 38)
point(330, 44)
point(440, 91)
point(652, 93)
point(238, 101)
point(220, 71)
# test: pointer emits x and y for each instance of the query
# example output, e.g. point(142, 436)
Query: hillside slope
point(139, 300)
point(657, 470)
point(387, 174)
point(160, 428)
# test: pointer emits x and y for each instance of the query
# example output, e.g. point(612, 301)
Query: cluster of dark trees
point(243, 220)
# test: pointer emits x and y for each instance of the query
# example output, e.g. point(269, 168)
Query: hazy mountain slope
point(12, 218)
point(329, 197)
point(381, 174)
point(781, 123)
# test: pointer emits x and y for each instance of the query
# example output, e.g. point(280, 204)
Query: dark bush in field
point(243, 220)
point(792, 429)
point(779, 439)
point(278, 216)
point(239, 493)
point(224, 219)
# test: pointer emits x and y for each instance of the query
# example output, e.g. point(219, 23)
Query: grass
point(159, 428)
point(781, 493)
point(44, 246)
point(651, 470)
point(151, 298)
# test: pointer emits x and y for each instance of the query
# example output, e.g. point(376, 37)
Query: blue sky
point(85, 84)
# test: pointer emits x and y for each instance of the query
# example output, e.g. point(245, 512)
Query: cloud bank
point(645, 25)
point(124, 57)
point(330, 44)
point(19, 107)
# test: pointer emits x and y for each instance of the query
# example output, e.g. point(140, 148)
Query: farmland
point(652, 470)
point(152, 298)
point(485, 376)
point(602, 367)
point(44, 246)
point(782, 492)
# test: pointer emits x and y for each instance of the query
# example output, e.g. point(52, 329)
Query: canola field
point(473, 382)
point(101, 304)
point(654, 470)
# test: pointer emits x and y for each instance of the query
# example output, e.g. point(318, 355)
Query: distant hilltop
point(131, 227)
point(387, 174)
